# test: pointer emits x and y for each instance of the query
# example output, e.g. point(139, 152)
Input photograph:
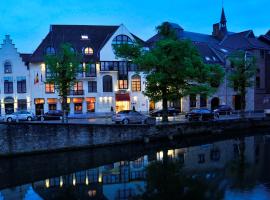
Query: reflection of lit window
point(201, 158)
point(171, 153)
point(47, 183)
point(74, 180)
point(92, 193)
point(61, 181)
point(88, 51)
point(160, 156)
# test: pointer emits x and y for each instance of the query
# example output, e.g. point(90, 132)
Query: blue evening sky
point(27, 21)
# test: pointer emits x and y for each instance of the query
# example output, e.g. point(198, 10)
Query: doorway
point(237, 102)
point(214, 103)
point(9, 105)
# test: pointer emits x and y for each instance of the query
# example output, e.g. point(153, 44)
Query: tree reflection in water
point(241, 174)
point(167, 180)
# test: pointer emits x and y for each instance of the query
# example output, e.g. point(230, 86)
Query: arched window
point(49, 50)
point(7, 67)
point(136, 83)
point(107, 83)
point(122, 39)
point(88, 51)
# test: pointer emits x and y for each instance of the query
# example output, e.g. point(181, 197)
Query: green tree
point(173, 68)
point(242, 75)
point(62, 69)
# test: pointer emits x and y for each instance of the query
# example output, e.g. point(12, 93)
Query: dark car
point(52, 115)
point(201, 115)
point(223, 110)
point(171, 112)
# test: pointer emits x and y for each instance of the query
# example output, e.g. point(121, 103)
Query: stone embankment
point(28, 138)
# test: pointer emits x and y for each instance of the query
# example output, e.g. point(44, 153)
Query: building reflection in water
point(124, 179)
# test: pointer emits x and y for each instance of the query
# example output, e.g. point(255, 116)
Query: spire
point(223, 19)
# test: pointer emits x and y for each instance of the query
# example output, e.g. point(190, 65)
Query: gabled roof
point(97, 38)
point(243, 40)
point(26, 57)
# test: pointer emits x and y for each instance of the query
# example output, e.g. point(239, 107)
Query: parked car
point(171, 112)
point(132, 117)
point(201, 115)
point(51, 115)
point(20, 115)
point(223, 110)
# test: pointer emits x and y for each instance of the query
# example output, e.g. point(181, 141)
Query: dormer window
point(50, 50)
point(7, 67)
point(84, 37)
point(88, 51)
point(122, 39)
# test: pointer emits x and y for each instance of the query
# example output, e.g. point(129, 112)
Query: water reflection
point(231, 169)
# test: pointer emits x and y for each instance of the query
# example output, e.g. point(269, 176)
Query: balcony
point(76, 93)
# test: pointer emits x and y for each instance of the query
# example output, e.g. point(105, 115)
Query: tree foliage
point(242, 75)
point(173, 68)
point(62, 69)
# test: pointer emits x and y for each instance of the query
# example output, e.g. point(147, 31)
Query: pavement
point(176, 119)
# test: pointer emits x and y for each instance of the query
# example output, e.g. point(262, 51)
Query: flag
point(36, 79)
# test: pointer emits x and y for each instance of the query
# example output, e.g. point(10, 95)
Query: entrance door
point(9, 108)
point(122, 105)
point(39, 109)
point(214, 103)
point(237, 102)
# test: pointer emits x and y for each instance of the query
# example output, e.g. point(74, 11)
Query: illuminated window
point(123, 84)
point(50, 50)
point(122, 39)
point(84, 37)
point(7, 67)
point(136, 83)
point(88, 51)
point(49, 88)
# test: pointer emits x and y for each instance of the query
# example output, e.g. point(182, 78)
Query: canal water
point(230, 169)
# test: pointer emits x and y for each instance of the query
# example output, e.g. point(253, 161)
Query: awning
point(52, 101)
point(90, 99)
point(77, 100)
point(39, 101)
point(122, 97)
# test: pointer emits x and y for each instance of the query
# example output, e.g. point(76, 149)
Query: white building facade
point(14, 77)
point(110, 85)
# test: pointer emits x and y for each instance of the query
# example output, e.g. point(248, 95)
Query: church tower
point(220, 29)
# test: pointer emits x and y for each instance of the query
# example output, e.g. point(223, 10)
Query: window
point(107, 83)
point(109, 66)
point(50, 50)
point(136, 83)
point(215, 155)
point(22, 104)
point(91, 104)
point(203, 100)
point(8, 85)
point(92, 86)
point(78, 86)
point(123, 84)
point(122, 39)
point(88, 51)
point(201, 158)
point(49, 88)
point(84, 37)
point(21, 84)
point(123, 68)
point(52, 106)
point(91, 70)
point(192, 101)
point(78, 107)
point(258, 82)
point(7, 68)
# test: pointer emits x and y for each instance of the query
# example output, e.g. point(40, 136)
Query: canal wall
point(28, 138)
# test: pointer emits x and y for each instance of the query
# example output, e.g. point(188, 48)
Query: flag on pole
point(36, 79)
